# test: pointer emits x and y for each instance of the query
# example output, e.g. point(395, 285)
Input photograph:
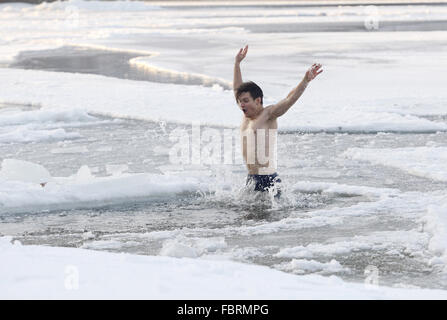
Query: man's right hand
point(241, 54)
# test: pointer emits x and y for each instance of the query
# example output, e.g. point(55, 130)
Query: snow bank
point(157, 101)
point(34, 272)
point(20, 188)
point(120, 98)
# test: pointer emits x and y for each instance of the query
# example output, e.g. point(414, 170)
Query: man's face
point(248, 106)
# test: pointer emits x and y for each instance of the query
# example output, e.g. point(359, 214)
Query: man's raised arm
point(237, 78)
point(281, 107)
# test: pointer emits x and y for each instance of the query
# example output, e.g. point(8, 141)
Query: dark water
point(104, 62)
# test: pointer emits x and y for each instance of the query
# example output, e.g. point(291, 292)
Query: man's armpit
point(269, 110)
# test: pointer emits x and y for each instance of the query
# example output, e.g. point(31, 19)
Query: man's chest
point(258, 125)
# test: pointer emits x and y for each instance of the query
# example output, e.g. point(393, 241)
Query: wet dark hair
point(251, 87)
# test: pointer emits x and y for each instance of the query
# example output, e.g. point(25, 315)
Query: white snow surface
point(66, 273)
point(157, 101)
point(378, 81)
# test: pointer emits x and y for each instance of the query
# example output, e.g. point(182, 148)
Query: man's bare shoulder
point(262, 120)
point(265, 114)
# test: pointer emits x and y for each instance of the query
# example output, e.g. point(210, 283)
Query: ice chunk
point(20, 170)
point(191, 247)
point(173, 248)
point(116, 169)
point(301, 266)
point(84, 174)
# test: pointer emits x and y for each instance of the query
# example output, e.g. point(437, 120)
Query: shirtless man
point(259, 125)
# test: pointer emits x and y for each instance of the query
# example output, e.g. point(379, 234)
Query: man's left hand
point(313, 72)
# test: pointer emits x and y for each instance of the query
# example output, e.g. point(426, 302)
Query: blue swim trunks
point(264, 182)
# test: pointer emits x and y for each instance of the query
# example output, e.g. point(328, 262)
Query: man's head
point(249, 97)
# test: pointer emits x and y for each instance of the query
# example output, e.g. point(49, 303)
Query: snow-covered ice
point(66, 273)
point(20, 186)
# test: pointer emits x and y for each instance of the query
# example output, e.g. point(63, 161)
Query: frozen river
point(354, 228)
point(361, 157)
